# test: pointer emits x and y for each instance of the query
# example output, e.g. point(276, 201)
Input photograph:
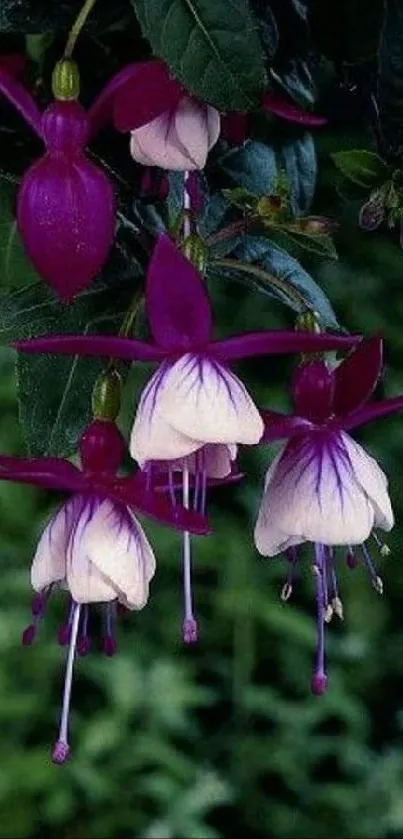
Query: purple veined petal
point(159, 142)
point(134, 96)
point(114, 544)
point(201, 398)
point(372, 480)
point(49, 563)
point(22, 100)
point(276, 342)
point(356, 377)
point(373, 411)
point(131, 491)
point(215, 460)
point(292, 113)
point(279, 426)
point(66, 240)
point(47, 472)
point(84, 581)
point(128, 349)
point(314, 494)
point(178, 307)
point(152, 438)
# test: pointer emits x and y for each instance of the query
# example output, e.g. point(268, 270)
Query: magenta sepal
point(136, 95)
point(356, 377)
point(47, 472)
point(292, 113)
point(128, 349)
point(370, 412)
point(282, 427)
point(275, 342)
point(133, 493)
point(22, 100)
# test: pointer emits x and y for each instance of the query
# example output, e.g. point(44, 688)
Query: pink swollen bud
point(66, 206)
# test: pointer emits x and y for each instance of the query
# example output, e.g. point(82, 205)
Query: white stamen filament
point(187, 229)
point(187, 579)
point(68, 682)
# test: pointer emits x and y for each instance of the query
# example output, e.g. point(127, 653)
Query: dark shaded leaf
point(36, 16)
point(363, 167)
point(390, 77)
point(253, 167)
point(212, 47)
point(301, 169)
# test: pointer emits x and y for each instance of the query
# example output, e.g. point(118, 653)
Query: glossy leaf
point(363, 167)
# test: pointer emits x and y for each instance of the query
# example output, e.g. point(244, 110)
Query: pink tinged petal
point(278, 342)
point(157, 144)
point(198, 129)
point(313, 390)
point(314, 495)
point(142, 92)
point(22, 100)
point(48, 472)
point(116, 545)
point(372, 480)
point(67, 241)
point(49, 563)
point(376, 410)
point(98, 345)
point(215, 459)
point(205, 401)
point(152, 438)
point(356, 377)
point(292, 113)
point(178, 307)
point(279, 426)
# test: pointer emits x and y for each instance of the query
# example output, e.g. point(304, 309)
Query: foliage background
point(224, 739)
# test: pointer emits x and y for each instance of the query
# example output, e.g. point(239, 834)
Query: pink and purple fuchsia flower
point(323, 487)
point(93, 546)
point(194, 406)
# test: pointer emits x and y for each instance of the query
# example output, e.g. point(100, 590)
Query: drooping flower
point(193, 401)
point(169, 127)
point(65, 239)
point(93, 546)
point(323, 487)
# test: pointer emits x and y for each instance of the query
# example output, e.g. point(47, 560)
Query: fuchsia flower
point(193, 403)
point(93, 546)
point(169, 127)
point(323, 487)
point(66, 240)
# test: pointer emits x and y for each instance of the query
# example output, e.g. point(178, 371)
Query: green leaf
point(317, 244)
point(212, 47)
point(55, 392)
point(363, 167)
point(258, 249)
point(252, 167)
point(15, 267)
point(37, 16)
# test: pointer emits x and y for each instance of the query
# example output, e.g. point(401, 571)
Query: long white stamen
point(61, 748)
point(187, 206)
point(189, 623)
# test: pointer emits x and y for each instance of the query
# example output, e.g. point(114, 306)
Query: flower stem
point(265, 277)
point(77, 27)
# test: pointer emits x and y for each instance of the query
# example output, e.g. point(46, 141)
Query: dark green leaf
point(276, 260)
point(253, 167)
point(36, 16)
point(15, 267)
point(297, 80)
point(317, 244)
point(268, 29)
point(301, 169)
point(55, 392)
point(212, 47)
point(363, 167)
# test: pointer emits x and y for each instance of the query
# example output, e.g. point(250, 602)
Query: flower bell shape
point(323, 487)
point(169, 128)
point(65, 203)
point(93, 546)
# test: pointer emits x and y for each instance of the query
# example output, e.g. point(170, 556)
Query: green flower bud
point(106, 395)
point(66, 80)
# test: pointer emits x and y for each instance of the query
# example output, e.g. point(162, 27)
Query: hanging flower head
point(169, 127)
point(93, 546)
point(323, 487)
point(193, 405)
point(66, 240)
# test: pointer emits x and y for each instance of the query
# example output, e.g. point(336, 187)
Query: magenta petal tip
point(319, 684)
point(109, 646)
point(28, 636)
point(60, 752)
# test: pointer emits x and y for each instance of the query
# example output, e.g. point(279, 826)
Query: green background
point(223, 739)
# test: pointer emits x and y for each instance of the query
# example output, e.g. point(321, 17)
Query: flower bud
point(66, 80)
point(372, 213)
point(106, 395)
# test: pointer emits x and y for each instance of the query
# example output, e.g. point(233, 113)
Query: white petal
point(118, 548)
point(84, 581)
point(218, 459)
point(372, 480)
point(158, 144)
point(204, 401)
point(195, 128)
point(49, 563)
point(152, 438)
point(313, 495)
